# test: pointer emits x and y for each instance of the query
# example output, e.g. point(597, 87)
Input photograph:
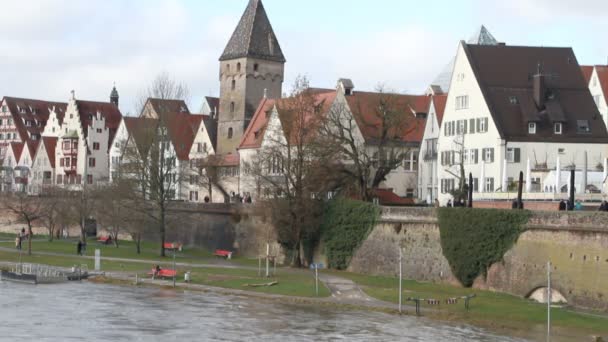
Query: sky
point(50, 47)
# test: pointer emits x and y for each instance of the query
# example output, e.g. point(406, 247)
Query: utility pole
point(548, 301)
point(400, 278)
point(174, 269)
point(267, 262)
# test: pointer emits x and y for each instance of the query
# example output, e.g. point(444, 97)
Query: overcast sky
point(49, 47)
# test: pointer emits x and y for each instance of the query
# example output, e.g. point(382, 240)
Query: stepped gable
point(254, 37)
point(107, 110)
point(509, 93)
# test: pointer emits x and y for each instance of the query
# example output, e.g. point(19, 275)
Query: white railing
point(536, 196)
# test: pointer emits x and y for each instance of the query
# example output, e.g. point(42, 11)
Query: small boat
point(18, 277)
point(43, 274)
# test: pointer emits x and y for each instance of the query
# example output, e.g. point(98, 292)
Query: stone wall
point(576, 243)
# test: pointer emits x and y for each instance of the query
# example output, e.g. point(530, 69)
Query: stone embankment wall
point(575, 243)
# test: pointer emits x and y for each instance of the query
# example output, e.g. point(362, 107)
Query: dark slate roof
point(254, 37)
point(211, 127)
point(506, 72)
point(35, 111)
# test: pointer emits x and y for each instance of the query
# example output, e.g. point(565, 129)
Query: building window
point(411, 161)
point(99, 130)
point(67, 162)
point(513, 155)
point(489, 186)
point(193, 196)
point(582, 126)
point(238, 67)
point(89, 179)
point(561, 151)
point(59, 179)
point(231, 107)
point(488, 155)
point(233, 86)
point(409, 193)
point(532, 128)
point(557, 128)
point(91, 162)
point(462, 102)
point(230, 133)
point(256, 67)
point(482, 125)
point(96, 146)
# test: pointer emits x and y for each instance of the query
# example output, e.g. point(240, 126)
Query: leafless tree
point(287, 168)
point(57, 211)
point(28, 210)
point(371, 145)
point(163, 87)
point(454, 161)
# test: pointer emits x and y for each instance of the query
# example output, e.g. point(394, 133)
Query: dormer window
point(513, 100)
point(582, 126)
point(238, 67)
point(557, 128)
point(532, 128)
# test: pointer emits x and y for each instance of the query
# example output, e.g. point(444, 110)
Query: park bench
point(173, 246)
point(163, 273)
point(223, 253)
point(105, 240)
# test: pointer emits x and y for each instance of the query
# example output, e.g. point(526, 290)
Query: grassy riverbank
point(498, 308)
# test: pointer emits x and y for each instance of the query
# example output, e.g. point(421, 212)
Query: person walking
point(79, 247)
point(18, 241)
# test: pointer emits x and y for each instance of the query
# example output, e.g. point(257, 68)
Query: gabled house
point(598, 86)
point(24, 119)
point(533, 114)
point(210, 106)
point(427, 168)
point(82, 151)
point(42, 174)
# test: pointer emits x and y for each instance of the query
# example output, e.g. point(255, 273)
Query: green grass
point(289, 283)
point(126, 249)
point(487, 306)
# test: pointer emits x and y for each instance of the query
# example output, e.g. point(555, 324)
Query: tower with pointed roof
point(251, 66)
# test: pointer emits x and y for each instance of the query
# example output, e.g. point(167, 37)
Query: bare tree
point(372, 144)
point(163, 87)
point(454, 161)
point(111, 211)
point(28, 209)
point(57, 211)
point(287, 165)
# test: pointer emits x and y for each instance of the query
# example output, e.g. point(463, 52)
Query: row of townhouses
point(495, 111)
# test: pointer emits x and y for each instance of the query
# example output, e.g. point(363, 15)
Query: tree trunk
point(29, 239)
point(162, 232)
point(51, 234)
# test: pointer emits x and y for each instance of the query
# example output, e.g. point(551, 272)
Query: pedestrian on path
point(79, 247)
point(18, 242)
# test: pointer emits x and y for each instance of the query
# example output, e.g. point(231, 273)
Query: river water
point(91, 312)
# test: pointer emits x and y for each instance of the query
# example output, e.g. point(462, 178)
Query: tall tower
point(114, 96)
point(251, 64)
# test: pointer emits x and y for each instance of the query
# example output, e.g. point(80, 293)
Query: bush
point(346, 223)
point(474, 239)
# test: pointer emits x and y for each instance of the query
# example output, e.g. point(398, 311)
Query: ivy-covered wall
point(346, 224)
point(474, 239)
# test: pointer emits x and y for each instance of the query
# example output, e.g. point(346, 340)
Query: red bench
point(173, 245)
point(223, 253)
point(163, 273)
point(105, 240)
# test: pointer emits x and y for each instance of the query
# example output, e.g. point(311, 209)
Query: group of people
point(22, 235)
point(567, 205)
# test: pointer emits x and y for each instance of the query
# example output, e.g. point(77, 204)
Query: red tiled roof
point(36, 111)
point(587, 72)
point(602, 75)
point(49, 144)
point(254, 133)
point(179, 127)
point(108, 111)
point(139, 129)
point(388, 197)
point(32, 145)
point(162, 106)
point(439, 102)
point(364, 106)
point(17, 148)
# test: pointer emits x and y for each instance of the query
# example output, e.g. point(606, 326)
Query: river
point(91, 312)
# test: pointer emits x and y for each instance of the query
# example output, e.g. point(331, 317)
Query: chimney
point(540, 88)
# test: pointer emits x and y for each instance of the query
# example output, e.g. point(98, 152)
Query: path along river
point(91, 312)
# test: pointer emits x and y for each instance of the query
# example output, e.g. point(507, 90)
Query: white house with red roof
point(81, 154)
point(43, 166)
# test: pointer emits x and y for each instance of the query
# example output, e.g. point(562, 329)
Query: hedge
point(474, 239)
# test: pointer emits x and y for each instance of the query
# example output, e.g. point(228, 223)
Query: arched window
point(231, 107)
point(238, 67)
point(230, 133)
point(256, 67)
point(233, 84)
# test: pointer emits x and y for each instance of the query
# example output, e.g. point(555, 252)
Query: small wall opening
point(540, 295)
